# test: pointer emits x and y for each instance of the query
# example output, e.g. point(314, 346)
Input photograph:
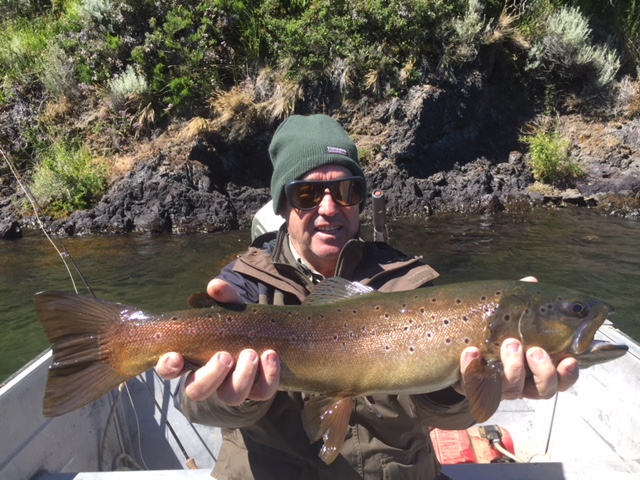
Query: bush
point(549, 157)
point(565, 49)
point(129, 85)
point(67, 179)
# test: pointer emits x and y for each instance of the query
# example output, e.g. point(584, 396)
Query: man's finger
point(514, 368)
point(235, 389)
point(545, 378)
point(206, 380)
point(222, 291)
point(268, 379)
point(170, 365)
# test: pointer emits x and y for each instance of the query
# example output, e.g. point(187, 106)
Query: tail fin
point(79, 373)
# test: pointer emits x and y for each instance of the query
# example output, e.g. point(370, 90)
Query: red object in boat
point(470, 446)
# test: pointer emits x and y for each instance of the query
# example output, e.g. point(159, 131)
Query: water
point(575, 248)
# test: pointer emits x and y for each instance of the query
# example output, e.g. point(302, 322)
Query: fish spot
point(387, 347)
point(458, 301)
point(354, 311)
point(209, 316)
point(543, 310)
point(335, 338)
point(221, 332)
point(507, 317)
point(446, 321)
point(433, 316)
point(483, 298)
point(377, 308)
point(272, 321)
point(229, 319)
point(309, 317)
point(346, 325)
point(352, 335)
point(404, 305)
point(447, 341)
point(406, 328)
point(364, 329)
point(412, 349)
point(467, 341)
point(373, 333)
point(339, 310)
point(423, 310)
point(387, 316)
point(498, 293)
point(174, 318)
point(465, 318)
point(434, 299)
point(429, 335)
point(321, 316)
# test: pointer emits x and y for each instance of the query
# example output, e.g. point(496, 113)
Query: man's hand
point(547, 379)
point(253, 377)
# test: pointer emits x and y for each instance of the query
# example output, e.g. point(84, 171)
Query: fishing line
point(67, 258)
point(63, 253)
point(553, 417)
point(135, 413)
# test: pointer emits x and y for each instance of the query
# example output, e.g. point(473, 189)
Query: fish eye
point(578, 309)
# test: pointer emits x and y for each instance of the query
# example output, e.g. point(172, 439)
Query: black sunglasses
point(308, 194)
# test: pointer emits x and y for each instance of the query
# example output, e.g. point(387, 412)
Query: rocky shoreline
point(436, 150)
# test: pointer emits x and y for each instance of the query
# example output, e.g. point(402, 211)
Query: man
point(318, 187)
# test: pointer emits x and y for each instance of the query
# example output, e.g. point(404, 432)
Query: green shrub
point(67, 178)
point(566, 50)
point(549, 157)
point(129, 85)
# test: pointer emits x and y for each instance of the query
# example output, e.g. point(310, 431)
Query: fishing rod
point(62, 251)
point(69, 263)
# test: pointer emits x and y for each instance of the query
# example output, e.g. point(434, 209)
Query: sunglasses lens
point(308, 195)
point(346, 192)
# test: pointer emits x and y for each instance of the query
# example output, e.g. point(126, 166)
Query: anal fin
point(327, 418)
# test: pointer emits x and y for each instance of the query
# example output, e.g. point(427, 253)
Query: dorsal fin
point(335, 289)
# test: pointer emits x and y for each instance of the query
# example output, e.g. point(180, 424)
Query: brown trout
point(344, 341)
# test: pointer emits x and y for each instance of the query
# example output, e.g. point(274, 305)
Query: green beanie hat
point(304, 143)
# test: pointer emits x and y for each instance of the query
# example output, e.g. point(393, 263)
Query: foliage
point(67, 178)
point(566, 50)
point(154, 62)
point(549, 157)
point(127, 86)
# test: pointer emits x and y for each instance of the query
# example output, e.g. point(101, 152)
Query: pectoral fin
point(483, 387)
point(327, 418)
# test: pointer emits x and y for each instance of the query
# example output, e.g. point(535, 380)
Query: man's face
point(319, 235)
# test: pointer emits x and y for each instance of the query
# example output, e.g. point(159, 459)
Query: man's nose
point(328, 206)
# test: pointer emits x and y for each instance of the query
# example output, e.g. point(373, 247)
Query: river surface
point(575, 248)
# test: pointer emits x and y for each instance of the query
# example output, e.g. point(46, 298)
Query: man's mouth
point(329, 229)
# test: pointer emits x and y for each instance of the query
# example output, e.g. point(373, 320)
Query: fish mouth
point(583, 339)
point(600, 351)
